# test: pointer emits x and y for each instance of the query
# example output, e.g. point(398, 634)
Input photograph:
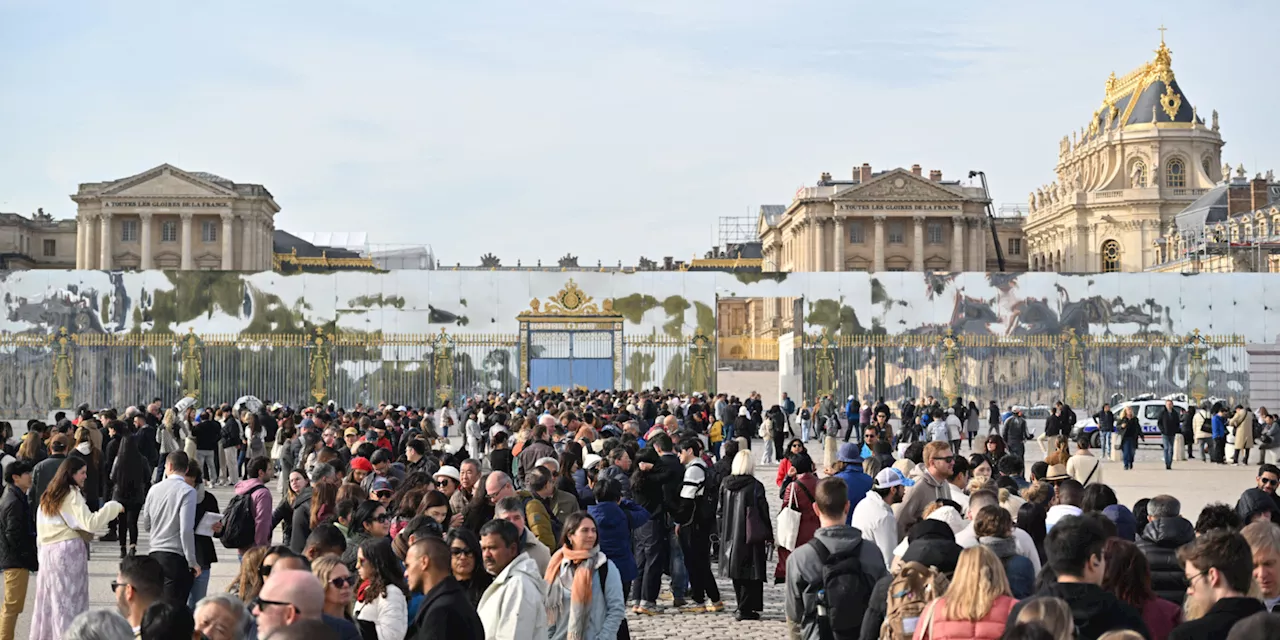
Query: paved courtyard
point(1194, 482)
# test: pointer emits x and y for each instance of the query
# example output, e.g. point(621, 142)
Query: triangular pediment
point(165, 181)
point(898, 184)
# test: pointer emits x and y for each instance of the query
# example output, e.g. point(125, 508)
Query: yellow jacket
point(72, 518)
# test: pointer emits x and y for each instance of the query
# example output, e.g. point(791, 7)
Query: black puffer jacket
point(1159, 543)
point(1253, 502)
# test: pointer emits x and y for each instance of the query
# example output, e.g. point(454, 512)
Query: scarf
point(584, 565)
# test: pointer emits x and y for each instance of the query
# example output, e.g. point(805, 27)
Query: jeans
point(1128, 448)
point(679, 576)
point(728, 431)
point(715, 450)
point(177, 576)
point(1105, 437)
point(199, 588)
point(204, 458)
point(1167, 441)
point(695, 541)
point(127, 522)
point(230, 472)
point(653, 546)
point(157, 474)
point(15, 595)
point(804, 431)
point(767, 452)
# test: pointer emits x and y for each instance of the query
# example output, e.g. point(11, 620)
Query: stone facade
point(895, 220)
point(1144, 156)
point(38, 242)
point(167, 218)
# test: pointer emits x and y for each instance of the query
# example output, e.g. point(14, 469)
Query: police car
point(1146, 408)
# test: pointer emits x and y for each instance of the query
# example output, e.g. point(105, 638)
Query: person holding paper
point(208, 524)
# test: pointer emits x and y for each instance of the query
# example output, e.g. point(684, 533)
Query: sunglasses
point(946, 458)
point(116, 585)
point(382, 518)
point(1269, 482)
point(343, 582)
point(265, 570)
point(258, 603)
point(383, 493)
point(460, 551)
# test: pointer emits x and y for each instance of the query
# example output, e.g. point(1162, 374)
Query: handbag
point(789, 523)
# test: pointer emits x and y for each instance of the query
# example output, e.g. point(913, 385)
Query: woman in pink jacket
point(975, 606)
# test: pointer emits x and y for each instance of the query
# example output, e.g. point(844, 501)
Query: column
point(186, 241)
point(840, 238)
point(877, 247)
point(246, 246)
point(227, 234)
point(144, 235)
point(817, 244)
point(268, 243)
point(957, 243)
point(975, 246)
point(79, 242)
point(104, 240)
point(1144, 246)
point(917, 242)
point(90, 224)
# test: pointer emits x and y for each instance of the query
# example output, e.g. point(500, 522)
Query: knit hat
point(361, 463)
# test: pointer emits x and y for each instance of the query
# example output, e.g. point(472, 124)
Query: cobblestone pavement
point(1193, 482)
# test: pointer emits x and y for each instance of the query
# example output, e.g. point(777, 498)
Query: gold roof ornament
point(570, 301)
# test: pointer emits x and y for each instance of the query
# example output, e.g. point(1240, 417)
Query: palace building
point(1144, 156)
point(167, 218)
point(894, 220)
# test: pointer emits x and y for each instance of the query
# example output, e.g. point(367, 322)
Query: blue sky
point(602, 128)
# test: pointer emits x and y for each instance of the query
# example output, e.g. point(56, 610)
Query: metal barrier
point(1024, 370)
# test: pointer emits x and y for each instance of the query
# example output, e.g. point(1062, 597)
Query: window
point(935, 233)
point(895, 233)
point(209, 231)
point(129, 231)
point(1138, 175)
point(857, 234)
point(169, 232)
point(1175, 173)
point(1110, 256)
point(1204, 164)
point(1015, 246)
point(50, 248)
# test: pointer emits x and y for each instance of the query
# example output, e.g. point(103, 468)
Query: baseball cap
point(892, 478)
point(380, 484)
point(351, 431)
point(449, 471)
point(849, 452)
point(590, 460)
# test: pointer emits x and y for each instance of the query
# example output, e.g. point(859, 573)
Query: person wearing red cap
point(360, 467)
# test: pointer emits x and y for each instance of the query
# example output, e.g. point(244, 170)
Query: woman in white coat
point(584, 588)
point(382, 612)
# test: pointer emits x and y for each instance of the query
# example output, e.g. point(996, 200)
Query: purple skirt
point(62, 588)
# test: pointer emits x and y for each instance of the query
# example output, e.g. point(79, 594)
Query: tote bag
point(789, 519)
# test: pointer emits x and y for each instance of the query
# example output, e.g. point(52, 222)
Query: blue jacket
point(585, 495)
point(858, 484)
point(1219, 426)
point(850, 412)
point(614, 523)
point(789, 406)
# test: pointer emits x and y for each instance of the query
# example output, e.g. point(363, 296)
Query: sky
point(604, 129)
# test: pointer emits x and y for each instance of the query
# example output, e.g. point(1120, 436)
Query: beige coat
point(1242, 423)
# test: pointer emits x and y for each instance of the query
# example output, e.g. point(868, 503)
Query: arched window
point(1175, 173)
point(1110, 256)
point(1204, 164)
point(1138, 175)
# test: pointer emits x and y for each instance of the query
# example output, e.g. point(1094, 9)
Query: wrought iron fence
point(1024, 370)
point(685, 362)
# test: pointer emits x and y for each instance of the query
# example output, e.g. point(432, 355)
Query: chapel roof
point(1149, 94)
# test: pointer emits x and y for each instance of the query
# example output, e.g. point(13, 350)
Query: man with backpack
point(830, 578)
point(253, 498)
point(699, 495)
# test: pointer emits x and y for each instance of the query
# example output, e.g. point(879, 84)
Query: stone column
point(144, 235)
point(186, 241)
point(840, 238)
point(816, 247)
point(79, 242)
point(227, 234)
point(247, 262)
point(957, 243)
point(877, 261)
point(1144, 247)
point(104, 239)
point(917, 243)
point(268, 243)
point(90, 247)
point(975, 246)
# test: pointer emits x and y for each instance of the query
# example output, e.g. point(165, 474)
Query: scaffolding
point(736, 230)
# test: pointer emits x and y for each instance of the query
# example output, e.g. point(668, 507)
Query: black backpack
point(239, 527)
point(842, 603)
point(707, 504)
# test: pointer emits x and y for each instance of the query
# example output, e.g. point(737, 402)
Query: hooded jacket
point(926, 490)
point(1252, 502)
point(1094, 611)
point(1019, 571)
point(1159, 543)
point(514, 606)
point(261, 510)
point(615, 521)
point(804, 573)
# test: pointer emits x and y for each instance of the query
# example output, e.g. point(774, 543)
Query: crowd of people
point(564, 514)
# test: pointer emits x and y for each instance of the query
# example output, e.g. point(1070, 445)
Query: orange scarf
point(584, 565)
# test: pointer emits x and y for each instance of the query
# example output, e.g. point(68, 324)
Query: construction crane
point(991, 218)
